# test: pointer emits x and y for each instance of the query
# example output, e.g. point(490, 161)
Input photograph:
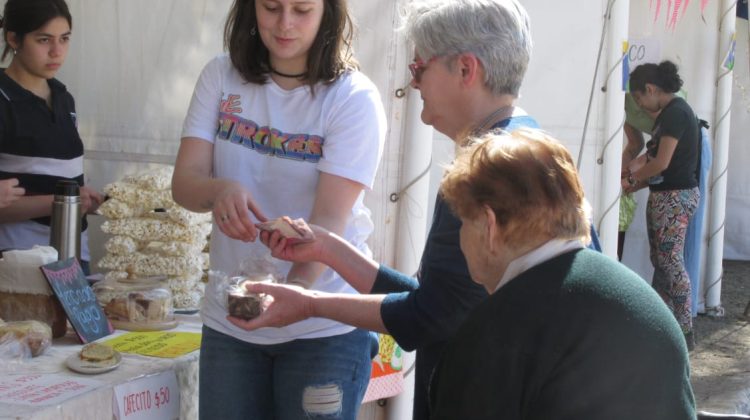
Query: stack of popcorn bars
point(154, 236)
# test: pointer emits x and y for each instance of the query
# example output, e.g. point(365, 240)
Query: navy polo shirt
point(39, 144)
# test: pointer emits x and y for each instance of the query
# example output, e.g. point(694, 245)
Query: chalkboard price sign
point(70, 285)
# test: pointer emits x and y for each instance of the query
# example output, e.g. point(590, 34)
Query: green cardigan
point(577, 337)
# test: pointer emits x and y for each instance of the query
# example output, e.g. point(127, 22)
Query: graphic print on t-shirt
point(263, 139)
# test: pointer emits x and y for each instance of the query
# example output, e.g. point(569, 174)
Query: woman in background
point(284, 125)
point(39, 140)
point(671, 172)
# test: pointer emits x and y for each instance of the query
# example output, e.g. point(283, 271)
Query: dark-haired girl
point(671, 173)
point(39, 141)
point(282, 125)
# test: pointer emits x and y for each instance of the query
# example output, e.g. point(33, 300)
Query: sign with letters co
point(77, 298)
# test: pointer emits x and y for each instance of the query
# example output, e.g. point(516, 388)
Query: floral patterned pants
point(667, 217)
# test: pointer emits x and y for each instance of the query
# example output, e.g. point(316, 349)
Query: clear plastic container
point(136, 305)
point(242, 304)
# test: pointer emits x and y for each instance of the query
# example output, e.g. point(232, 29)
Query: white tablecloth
point(97, 404)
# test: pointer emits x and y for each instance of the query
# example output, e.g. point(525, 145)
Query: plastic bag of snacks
point(24, 339)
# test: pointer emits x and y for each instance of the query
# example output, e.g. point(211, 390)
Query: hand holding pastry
point(302, 243)
point(289, 304)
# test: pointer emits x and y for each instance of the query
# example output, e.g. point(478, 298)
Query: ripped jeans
point(321, 378)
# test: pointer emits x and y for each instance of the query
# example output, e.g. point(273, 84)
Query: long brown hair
point(330, 54)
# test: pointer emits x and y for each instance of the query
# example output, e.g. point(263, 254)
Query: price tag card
point(77, 298)
point(157, 343)
point(154, 397)
point(41, 390)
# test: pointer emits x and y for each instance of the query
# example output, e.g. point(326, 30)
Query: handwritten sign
point(643, 50)
point(78, 300)
point(43, 390)
point(150, 398)
point(157, 343)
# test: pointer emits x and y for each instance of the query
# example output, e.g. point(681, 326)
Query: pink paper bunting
point(673, 10)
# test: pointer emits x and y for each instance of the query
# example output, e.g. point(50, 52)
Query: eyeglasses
point(418, 67)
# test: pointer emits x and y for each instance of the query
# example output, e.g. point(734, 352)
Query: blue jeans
point(321, 378)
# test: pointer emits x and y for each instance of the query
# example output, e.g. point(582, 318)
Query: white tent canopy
point(133, 65)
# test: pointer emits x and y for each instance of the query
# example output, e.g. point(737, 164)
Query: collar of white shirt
point(539, 255)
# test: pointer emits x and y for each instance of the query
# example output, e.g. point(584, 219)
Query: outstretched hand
point(289, 304)
point(293, 250)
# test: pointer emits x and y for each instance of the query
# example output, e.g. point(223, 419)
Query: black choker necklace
point(291, 76)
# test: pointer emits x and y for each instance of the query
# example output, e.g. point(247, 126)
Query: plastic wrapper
point(114, 208)
point(628, 206)
point(24, 339)
point(242, 304)
point(121, 245)
point(174, 248)
point(155, 179)
point(231, 289)
point(136, 197)
point(231, 294)
point(136, 305)
point(156, 229)
point(189, 299)
point(141, 264)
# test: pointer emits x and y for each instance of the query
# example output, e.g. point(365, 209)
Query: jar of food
point(136, 305)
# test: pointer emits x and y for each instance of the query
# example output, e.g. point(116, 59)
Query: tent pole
point(718, 185)
point(411, 229)
point(610, 158)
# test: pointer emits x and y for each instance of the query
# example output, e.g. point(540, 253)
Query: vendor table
point(98, 402)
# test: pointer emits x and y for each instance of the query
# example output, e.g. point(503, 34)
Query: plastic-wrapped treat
point(136, 305)
point(242, 304)
point(33, 337)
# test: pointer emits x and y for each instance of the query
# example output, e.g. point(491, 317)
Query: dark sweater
point(577, 337)
point(430, 314)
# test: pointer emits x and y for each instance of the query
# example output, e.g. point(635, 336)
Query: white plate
point(75, 363)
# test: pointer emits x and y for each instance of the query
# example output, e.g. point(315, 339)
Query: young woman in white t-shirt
point(282, 125)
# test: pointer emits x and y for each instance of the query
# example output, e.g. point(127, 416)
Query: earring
point(252, 31)
point(14, 51)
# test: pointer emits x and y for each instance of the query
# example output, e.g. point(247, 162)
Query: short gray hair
point(496, 31)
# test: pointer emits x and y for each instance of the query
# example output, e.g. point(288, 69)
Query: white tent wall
point(737, 231)
point(133, 65)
